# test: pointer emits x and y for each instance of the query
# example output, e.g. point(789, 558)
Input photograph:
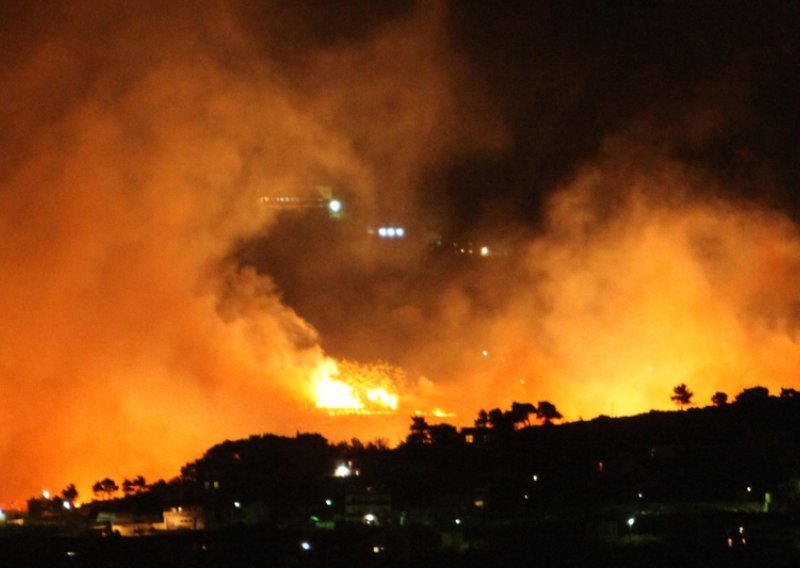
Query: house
point(129, 524)
point(368, 504)
point(178, 518)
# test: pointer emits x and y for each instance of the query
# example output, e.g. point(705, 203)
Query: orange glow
point(133, 156)
point(351, 388)
point(133, 339)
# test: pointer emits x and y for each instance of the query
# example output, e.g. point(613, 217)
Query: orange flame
point(352, 388)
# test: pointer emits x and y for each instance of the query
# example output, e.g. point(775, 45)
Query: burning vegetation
point(347, 387)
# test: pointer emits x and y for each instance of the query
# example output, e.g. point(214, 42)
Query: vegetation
point(719, 399)
point(682, 396)
point(702, 454)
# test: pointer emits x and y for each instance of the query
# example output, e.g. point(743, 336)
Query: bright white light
point(641, 495)
point(305, 545)
point(458, 521)
point(71, 553)
point(382, 232)
point(380, 397)
point(67, 505)
point(400, 231)
point(2, 515)
point(749, 489)
point(484, 251)
point(390, 231)
point(485, 352)
point(535, 477)
point(369, 518)
point(342, 471)
point(377, 549)
point(335, 206)
point(46, 494)
point(329, 502)
point(631, 521)
point(237, 504)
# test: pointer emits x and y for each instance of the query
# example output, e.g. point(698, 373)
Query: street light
point(342, 470)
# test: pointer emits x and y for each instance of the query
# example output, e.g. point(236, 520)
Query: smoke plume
point(136, 141)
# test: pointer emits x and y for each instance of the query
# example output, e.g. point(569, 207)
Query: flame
point(347, 387)
point(441, 413)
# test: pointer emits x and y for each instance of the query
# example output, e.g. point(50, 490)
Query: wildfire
point(347, 387)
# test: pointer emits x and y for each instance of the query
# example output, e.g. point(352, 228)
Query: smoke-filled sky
point(633, 171)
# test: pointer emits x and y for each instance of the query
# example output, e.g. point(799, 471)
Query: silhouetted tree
point(482, 421)
point(37, 506)
point(140, 483)
point(444, 434)
point(521, 411)
point(719, 399)
point(753, 395)
point(790, 393)
point(69, 493)
point(500, 421)
point(547, 411)
point(105, 488)
point(420, 431)
point(134, 486)
point(378, 444)
point(682, 395)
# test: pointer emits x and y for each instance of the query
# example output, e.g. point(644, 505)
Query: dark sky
point(566, 75)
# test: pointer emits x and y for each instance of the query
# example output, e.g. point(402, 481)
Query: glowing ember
point(439, 413)
point(352, 388)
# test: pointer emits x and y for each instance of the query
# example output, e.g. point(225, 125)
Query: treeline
point(710, 452)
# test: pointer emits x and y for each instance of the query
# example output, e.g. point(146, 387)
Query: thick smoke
point(653, 264)
point(136, 141)
point(644, 276)
point(153, 307)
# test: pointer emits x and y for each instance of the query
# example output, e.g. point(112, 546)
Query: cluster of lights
point(391, 232)
point(469, 249)
point(268, 199)
point(334, 206)
point(343, 470)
